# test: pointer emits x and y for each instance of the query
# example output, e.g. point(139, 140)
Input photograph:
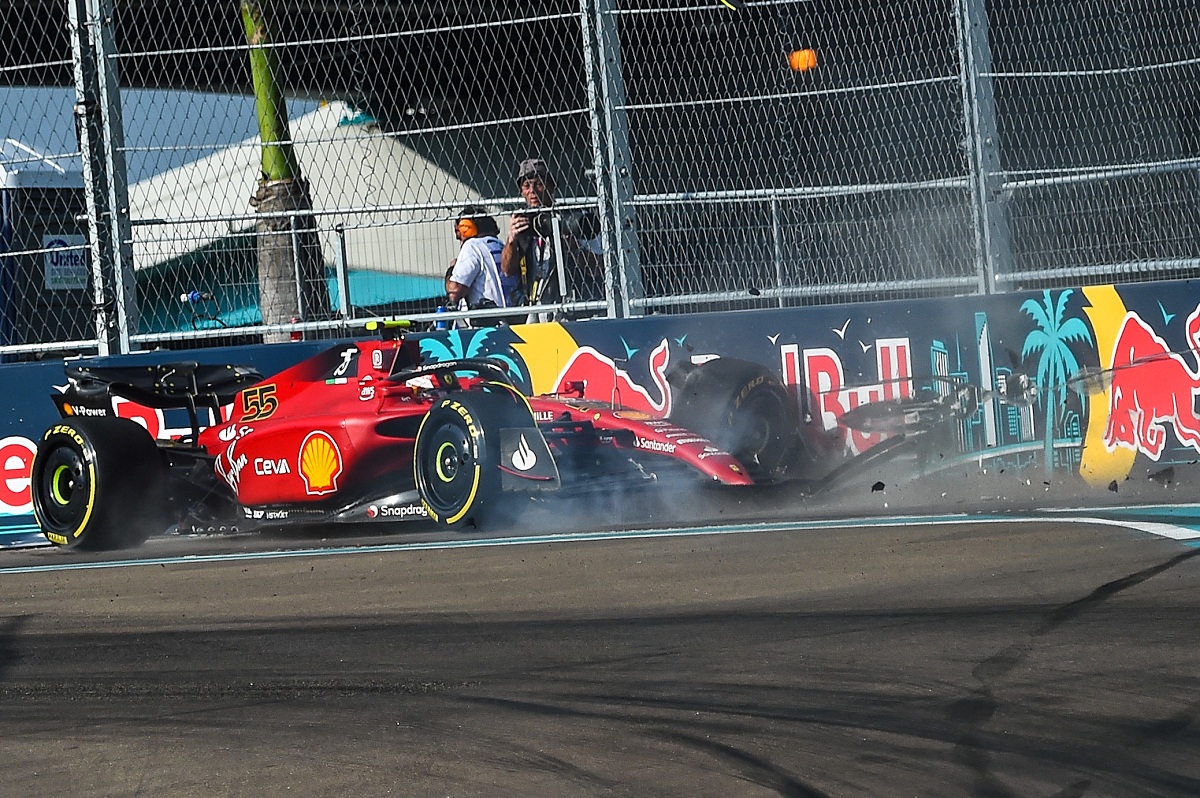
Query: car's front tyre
point(743, 408)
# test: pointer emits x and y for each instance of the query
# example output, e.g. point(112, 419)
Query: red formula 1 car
point(365, 431)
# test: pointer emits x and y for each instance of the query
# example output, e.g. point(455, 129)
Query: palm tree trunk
point(291, 269)
point(1048, 442)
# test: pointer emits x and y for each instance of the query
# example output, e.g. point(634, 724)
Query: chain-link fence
point(1097, 111)
point(45, 293)
point(185, 173)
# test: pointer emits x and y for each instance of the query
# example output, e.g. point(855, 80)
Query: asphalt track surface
point(982, 655)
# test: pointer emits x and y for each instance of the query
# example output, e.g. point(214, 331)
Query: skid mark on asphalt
point(754, 769)
point(1178, 522)
point(973, 711)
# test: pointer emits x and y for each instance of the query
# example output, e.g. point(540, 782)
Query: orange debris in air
point(803, 60)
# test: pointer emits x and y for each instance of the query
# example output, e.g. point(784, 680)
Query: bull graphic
point(1152, 385)
point(603, 380)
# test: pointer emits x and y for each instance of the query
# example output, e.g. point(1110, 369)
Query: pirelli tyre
point(456, 457)
point(742, 407)
point(98, 483)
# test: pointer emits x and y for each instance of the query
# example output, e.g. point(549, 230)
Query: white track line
point(1173, 531)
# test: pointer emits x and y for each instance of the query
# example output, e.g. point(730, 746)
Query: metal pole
point(343, 274)
point(591, 64)
point(622, 269)
point(993, 243)
point(296, 266)
point(88, 129)
point(122, 277)
point(777, 245)
point(556, 233)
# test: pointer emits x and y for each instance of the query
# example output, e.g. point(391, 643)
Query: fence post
point(610, 152)
point(993, 245)
point(340, 261)
point(777, 245)
point(99, 123)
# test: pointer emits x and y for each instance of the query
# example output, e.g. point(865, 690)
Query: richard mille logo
point(523, 458)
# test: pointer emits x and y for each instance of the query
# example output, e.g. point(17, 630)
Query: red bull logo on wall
point(604, 380)
point(1152, 387)
point(819, 371)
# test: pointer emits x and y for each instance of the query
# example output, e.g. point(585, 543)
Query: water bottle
point(441, 324)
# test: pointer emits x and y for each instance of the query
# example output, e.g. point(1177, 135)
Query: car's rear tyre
point(743, 408)
point(98, 483)
point(457, 456)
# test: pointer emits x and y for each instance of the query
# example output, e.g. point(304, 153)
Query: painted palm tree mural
point(487, 342)
point(1057, 364)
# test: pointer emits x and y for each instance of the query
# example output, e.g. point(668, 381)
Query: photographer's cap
point(534, 167)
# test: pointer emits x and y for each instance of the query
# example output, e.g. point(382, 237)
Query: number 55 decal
point(259, 403)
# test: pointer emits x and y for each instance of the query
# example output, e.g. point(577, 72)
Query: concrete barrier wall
point(1115, 373)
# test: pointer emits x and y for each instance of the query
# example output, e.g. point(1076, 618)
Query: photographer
point(529, 256)
point(475, 274)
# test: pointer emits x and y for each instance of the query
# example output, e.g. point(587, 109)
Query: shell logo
point(320, 463)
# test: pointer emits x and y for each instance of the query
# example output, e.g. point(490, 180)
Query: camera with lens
point(541, 223)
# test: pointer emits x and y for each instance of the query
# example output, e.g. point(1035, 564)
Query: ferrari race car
point(365, 431)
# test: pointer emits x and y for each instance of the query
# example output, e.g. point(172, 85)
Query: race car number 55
point(259, 403)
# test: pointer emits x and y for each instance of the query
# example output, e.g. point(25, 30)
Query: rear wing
point(187, 384)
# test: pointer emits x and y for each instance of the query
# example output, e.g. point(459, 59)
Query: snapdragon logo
point(397, 511)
